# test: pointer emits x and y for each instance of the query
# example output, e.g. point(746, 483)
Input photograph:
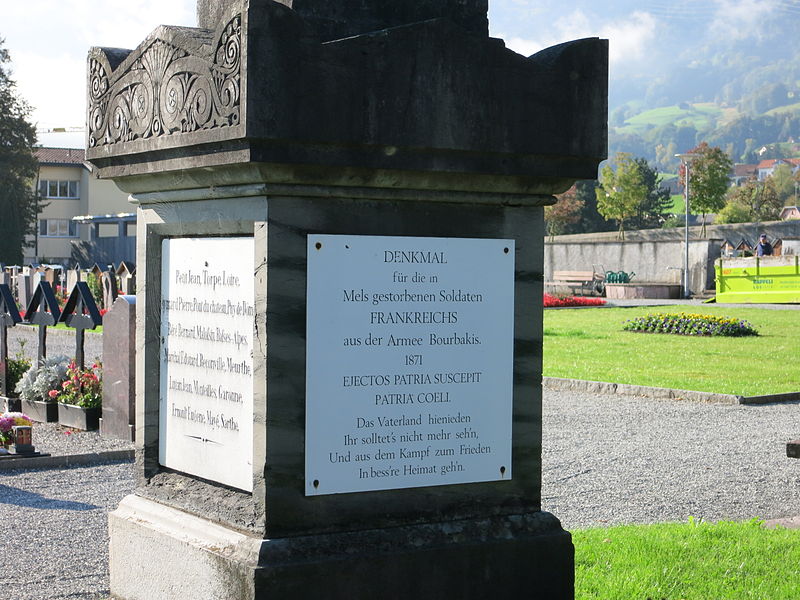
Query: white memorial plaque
point(206, 394)
point(409, 362)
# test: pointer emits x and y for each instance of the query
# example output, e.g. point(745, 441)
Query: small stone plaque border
point(77, 417)
point(8, 404)
point(793, 449)
point(40, 411)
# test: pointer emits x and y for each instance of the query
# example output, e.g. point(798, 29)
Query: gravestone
point(37, 275)
point(43, 310)
point(9, 317)
point(81, 313)
point(119, 355)
point(49, 275)
point(108, 283)
point(338, 334)
point(73, 277)
point(24, 290)
point(127, 278)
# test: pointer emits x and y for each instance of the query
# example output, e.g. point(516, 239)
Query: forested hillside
point(740, 92)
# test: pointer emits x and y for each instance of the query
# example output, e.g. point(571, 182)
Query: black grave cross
point(9, 316)
point(43, 311)
point(80, 313)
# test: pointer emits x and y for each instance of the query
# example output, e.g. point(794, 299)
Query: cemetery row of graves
point(67, 389)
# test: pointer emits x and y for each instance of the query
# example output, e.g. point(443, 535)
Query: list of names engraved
point(206, 386)
point(409, 362)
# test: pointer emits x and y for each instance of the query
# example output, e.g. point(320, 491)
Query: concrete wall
point(656, 255)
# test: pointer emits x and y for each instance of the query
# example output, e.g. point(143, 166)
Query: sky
point(48, 39)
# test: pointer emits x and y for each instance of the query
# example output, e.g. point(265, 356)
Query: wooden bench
point(583, 281)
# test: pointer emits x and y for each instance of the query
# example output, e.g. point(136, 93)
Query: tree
point(654, 207)
point(565, 211)
point(709, 179)
point(590, 219)
point(18, 169)
point(784, 182)
point(620, 191)
point(753, 201)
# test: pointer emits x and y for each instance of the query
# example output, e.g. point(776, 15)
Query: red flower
point(551, 301)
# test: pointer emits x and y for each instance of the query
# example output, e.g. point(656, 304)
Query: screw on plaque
point(318, 245)
point(502, 471)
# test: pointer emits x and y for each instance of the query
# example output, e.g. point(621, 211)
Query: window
point(50, 188)
point(58, 228)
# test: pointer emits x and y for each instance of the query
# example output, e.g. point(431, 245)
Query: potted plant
point(35, 385)
point(15, 369)
point(80, 398)
point(7, 422)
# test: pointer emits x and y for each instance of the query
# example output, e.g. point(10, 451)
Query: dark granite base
point(10, 404)
point(86, 419)
point(41, 412)
point(497, 558)
point(14, 456)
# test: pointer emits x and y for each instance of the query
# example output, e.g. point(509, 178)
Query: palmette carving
point(167, 90)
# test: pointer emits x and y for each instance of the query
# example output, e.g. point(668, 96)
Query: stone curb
point(68, 460)
point(601, 387)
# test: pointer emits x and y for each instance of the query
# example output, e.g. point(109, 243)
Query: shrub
point(551, 301)
point(40, 379)
point(690, 324)
point(15, 369)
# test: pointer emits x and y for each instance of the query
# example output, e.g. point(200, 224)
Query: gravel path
point(60, 549)
point(619, 459)
point(607, 460)
point(57, 440)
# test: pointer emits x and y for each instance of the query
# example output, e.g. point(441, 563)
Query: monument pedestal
point(339, 270)
point(530, 554)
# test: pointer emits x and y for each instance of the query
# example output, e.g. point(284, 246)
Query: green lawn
point(590, 344)
point(63, 326)
point(687, 561)
point(701, 116)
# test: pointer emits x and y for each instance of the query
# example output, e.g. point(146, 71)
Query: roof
point(744, 170)
point(119, 217)
point(60, 156)
point(771, 162)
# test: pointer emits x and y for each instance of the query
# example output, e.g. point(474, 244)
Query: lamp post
point(685, 160)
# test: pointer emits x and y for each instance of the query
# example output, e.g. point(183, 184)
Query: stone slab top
point(336, 19)
point(403, 87)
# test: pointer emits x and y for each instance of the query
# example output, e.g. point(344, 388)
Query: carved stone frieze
point(166, 89)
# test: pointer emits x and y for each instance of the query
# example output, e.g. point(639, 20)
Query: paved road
point(606, 460)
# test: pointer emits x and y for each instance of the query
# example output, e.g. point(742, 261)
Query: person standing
point(763, 248)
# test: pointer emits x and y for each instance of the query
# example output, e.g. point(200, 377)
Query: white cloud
point(740, 19)
point(49, 40)
point(630, 39)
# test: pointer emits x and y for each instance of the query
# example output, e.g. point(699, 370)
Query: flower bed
point(690, 324)
point(551, 301)
point(82, 387)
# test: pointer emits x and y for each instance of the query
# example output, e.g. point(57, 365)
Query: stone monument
point(119, 356)
point(340, 245)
